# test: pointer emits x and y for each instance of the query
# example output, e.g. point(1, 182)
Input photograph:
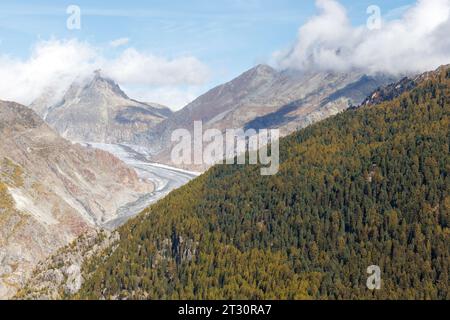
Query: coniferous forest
point(366, 187)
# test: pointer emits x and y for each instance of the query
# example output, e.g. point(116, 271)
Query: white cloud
point(172, 97)
point(119, 42)
point(55, 64)
point(136, 68)
point(52, 64)
point(415, 42)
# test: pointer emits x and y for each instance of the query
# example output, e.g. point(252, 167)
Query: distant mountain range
point(51, 191)
point(265, 98)
point(97, 110)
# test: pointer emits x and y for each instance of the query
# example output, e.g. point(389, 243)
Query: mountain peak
point(99, 81)
point(96, 109)
point(261, 72)
point(263, 69)
point(98, 72)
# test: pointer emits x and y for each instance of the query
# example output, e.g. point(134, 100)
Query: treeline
point(366, 187)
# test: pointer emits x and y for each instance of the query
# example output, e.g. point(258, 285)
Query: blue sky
point(228, 36)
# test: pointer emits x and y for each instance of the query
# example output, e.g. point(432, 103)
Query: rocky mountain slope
point(60, 275)
point(97, 110)
point(51, 191)
point(396, 89)
point(265, 98)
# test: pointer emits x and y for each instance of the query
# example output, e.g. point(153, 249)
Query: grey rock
point(74, 279)
point(97, 110)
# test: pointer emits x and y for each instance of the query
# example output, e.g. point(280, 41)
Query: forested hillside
point(366, 187)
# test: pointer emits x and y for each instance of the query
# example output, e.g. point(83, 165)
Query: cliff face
point(51, 191)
